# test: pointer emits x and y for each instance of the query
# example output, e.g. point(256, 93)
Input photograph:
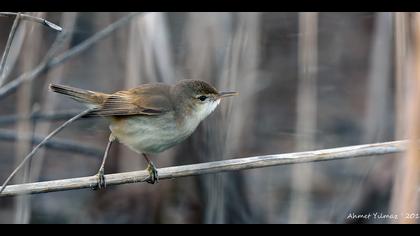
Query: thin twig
point(41, 68)
point(57, 60)
point(212, 167)
point(41, 144)
point(7, 48)
point(57, 143)
point(34, 19)
point(37, 117)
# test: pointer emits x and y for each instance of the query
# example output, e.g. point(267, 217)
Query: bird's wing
point(145, 100)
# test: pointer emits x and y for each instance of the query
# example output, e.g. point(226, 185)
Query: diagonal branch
point(42, 143)
point(57, 60)
point(34, 19)
point(57, 143)
point(92, 40)
point(212, 167)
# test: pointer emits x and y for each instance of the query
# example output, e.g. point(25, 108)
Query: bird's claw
point(153, 174)
point(101, 184)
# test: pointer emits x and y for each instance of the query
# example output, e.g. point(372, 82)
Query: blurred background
point(307, 81)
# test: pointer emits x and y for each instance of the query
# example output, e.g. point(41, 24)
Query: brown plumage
point(136, 101)
point(147, 99)
point(152, 117)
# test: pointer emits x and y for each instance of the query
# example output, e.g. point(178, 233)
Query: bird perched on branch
point(150, 118)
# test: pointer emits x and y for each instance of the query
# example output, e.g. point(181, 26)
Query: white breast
point(154, 134)
point(147, 134)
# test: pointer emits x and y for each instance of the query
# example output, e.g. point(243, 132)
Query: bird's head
point(199, 98)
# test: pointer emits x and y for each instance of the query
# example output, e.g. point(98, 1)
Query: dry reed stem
point(411, 164)
point(34, 19)
point(212, 167)
point(7, 48)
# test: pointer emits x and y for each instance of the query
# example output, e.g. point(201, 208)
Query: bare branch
point(92, 40)
point(212, 167)
point(34, 19)
point(7, 48)
point(42, 67)
point(57, 60)
point(32, 153)
point(57, 144)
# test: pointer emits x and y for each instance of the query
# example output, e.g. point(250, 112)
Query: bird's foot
point(153, 174)
point(101, 184)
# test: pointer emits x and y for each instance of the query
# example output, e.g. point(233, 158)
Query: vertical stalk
point(409, 200)
point(24, 126)
point(306, 115)
point(402, 73)
point(8, 46)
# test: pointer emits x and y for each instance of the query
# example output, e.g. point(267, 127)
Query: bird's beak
point(227, 94)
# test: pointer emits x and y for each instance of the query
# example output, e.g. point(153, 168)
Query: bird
point(150, 118)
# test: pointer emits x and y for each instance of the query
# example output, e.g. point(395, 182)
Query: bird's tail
point(89, 98)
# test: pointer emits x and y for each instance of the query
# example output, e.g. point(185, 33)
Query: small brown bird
point(150, 118)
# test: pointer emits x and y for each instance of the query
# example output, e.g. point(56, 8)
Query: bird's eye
point(202, 98)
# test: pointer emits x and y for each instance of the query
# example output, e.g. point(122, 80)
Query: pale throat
point(200, 113)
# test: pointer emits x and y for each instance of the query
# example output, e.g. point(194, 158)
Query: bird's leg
point(100, 175)
point(153, 173)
